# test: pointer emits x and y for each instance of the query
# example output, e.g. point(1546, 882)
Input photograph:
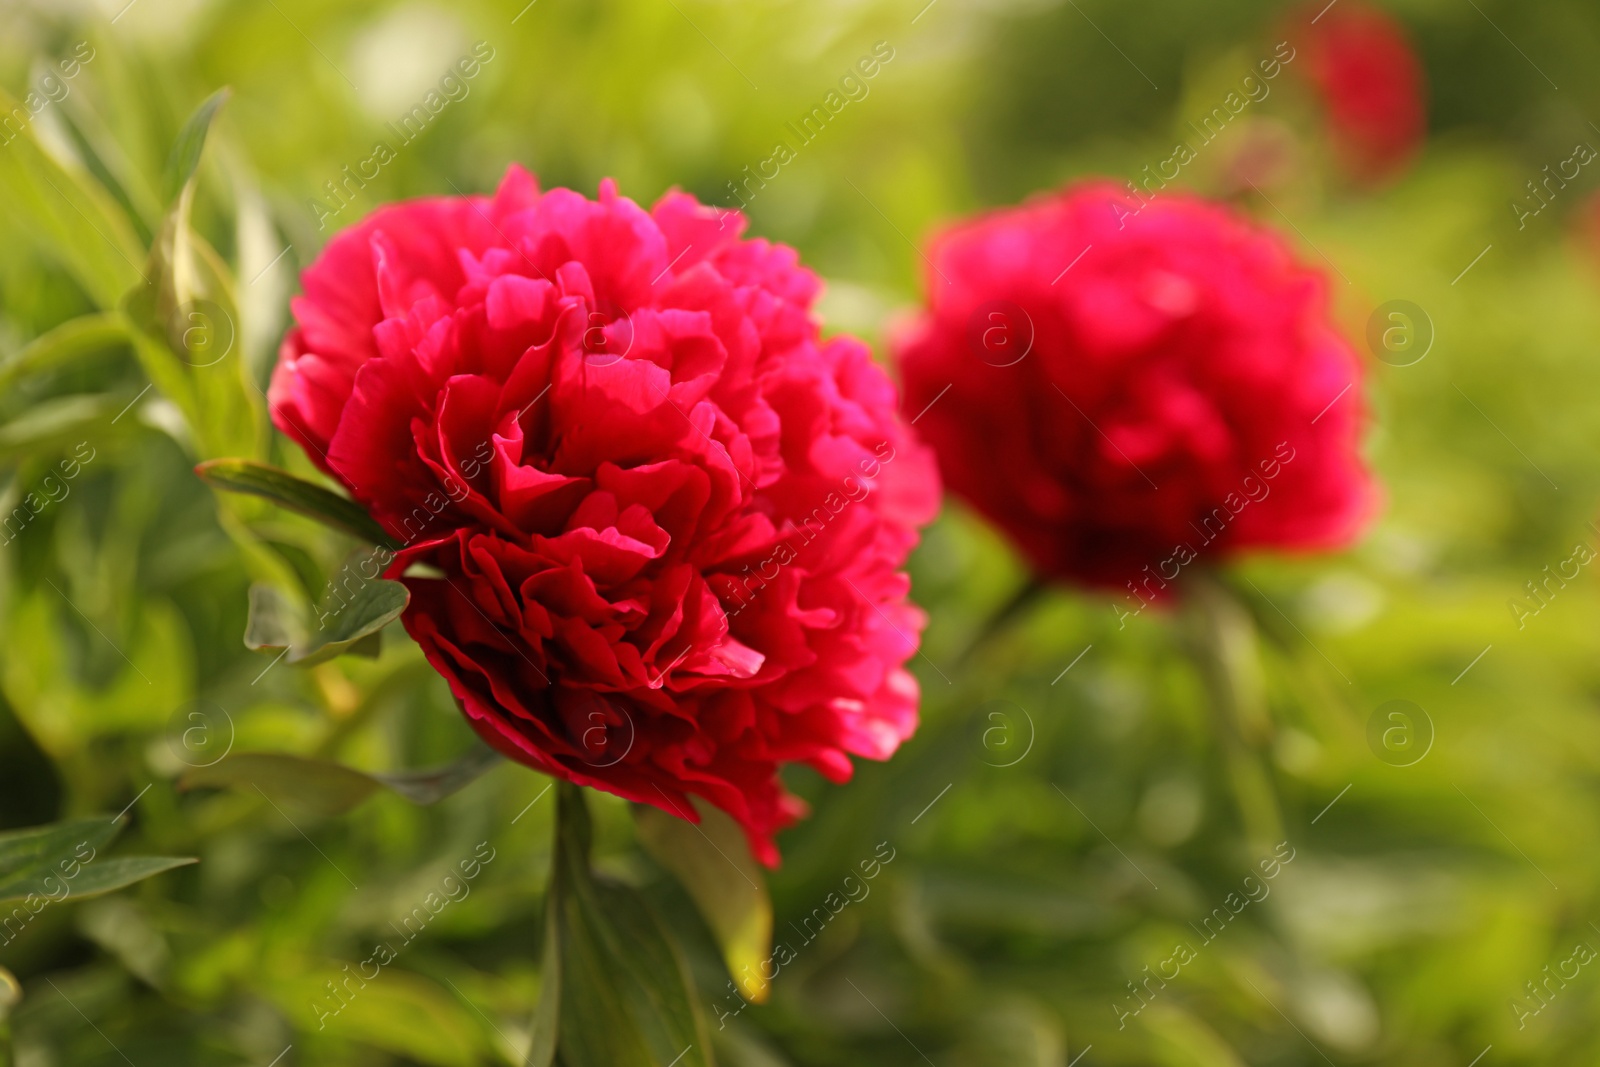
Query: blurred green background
point(1055, 831)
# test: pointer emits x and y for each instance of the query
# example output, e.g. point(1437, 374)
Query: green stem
point(569, 849)
point(1024, 598)
point(1227, 652)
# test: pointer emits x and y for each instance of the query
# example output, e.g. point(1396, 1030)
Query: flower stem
point(1227, 652)
point(1024, 598)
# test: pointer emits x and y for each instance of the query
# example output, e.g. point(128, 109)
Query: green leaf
point(712, 860)
point(296, 494)
point(432, 786)
point(400, 1012)
point(98, 878)
point(369, 647)
point(349, 617)
point(185, 157)
point(97, 148)
point(315, 785)
point(62, 862)
point(274, 619)
point(625, 996)
point(67, 216)
point(328, 788)
point(187, 316)
point(85, 335)
point(25, 851)
point(55, 423)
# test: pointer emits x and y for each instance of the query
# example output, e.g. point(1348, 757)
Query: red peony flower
point(1371, 84)
point(1127, 387)
point(653, 526)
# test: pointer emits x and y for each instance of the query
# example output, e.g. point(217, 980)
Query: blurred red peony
point(653, 526)
point(1125, 388)
point(1371, 84)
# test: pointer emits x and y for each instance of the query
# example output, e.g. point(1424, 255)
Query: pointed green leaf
point(274, 619)
point(67, 216)
point(327, 788)
point(296, 494)
point(58, 422)
point(432, 786)
point(188, 309)
point(315, 785)
point(625, 997)
point(712, 861)
point(277, 621)
point(75, 338)
point(354, 611)
point(95, 878)
point(191, 142)
point(61, 861)
point(42, 847)
point(92, 145)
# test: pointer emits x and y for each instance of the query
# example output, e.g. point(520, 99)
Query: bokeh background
point(1072, 807)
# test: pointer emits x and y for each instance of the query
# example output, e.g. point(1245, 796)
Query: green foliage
point(325, 788)
point(48, 864)
point(713, 862)
point(296, 494)
point(613, 979)
point(185, 159)
point(1082, 795)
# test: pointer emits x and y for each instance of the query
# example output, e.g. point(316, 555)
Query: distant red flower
point(653, 525)
point(1371, 84)
point(1124, 388)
